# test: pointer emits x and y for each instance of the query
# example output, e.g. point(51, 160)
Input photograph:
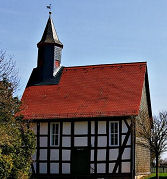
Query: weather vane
point(49, 7)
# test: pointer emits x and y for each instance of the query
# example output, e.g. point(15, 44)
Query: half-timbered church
point(84, 117)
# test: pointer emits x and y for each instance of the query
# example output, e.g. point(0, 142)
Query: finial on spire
point(49, 7)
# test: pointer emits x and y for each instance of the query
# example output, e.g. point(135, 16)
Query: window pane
point(112, 127)
point(116, 127)
point(56, 140)
point(53, 140)
point(53, 129)
point(116, 139)
point(112, 139)
point(57, 129)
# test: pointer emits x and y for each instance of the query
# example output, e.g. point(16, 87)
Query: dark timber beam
point(122, 149)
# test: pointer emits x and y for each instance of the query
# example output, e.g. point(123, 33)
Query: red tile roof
point(88, 91)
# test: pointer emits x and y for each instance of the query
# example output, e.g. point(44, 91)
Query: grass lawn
point(161, 176)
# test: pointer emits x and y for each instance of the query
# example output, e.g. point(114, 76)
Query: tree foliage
point(17, 141)
point(8, 70)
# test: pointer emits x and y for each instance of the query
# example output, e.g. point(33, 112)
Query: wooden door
point(80, 158)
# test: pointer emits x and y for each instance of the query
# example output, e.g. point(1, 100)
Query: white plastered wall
point(79, 129)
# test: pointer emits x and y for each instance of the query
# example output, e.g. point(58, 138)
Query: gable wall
point(142, 154)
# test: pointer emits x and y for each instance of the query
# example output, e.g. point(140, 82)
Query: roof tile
point(88, 91)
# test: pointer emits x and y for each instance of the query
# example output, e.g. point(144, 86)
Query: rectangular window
point(114, 133)
point(54, 134)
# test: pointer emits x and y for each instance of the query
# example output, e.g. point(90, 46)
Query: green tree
point(17, 141)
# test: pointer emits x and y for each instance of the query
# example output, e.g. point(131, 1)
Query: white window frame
point(56, 134)
point(113, 133)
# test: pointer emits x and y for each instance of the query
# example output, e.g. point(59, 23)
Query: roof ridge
point(101, 65)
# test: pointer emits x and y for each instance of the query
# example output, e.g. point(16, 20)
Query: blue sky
point(93, 32)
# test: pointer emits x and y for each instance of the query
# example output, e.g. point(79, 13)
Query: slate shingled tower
point(49, 53)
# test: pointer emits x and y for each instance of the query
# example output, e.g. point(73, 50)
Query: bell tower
point(49, 52)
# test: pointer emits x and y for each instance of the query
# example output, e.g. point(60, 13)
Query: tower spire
point(50, 35)
point(49, 51)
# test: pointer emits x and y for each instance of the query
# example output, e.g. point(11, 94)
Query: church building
point(84, 117)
